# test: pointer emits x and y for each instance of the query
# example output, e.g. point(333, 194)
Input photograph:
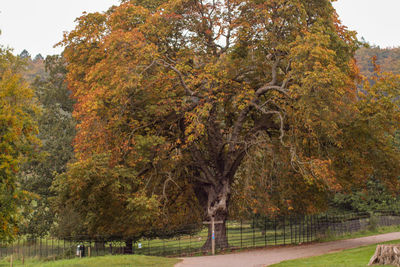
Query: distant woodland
point(388, 59)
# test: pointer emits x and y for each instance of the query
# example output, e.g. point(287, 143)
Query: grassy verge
point(109, 261)
point(357, 257)
point(364, 233)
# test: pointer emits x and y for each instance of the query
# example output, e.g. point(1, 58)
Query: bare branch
point(201, 179)
point(169, 179)
point(181, 78)
point(149, 66)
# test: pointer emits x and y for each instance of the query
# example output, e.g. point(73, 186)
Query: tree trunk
point(386, 255)
point(217, 208)
point(99, 246)
point(128, 246)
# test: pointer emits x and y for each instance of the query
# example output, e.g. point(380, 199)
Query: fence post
point(241, 230)
point(254, 231)
point(294, 228)
point(305, 228)
point(311, 219)
point(29, 247)
point(291, 229)
point(179, 244)
point(297, 229)
point(284, 230)
point(308, 228)
point(301, 239)
point(23, 251)
point(265, 231)
point(275, 229)
point(334, 224)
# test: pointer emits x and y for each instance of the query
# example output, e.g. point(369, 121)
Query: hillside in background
point(388, 59)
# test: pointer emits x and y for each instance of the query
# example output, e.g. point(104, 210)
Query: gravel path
point(267, 256)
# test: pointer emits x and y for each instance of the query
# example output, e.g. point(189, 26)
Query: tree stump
point(386, 255)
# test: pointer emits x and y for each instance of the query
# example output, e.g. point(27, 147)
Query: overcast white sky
point(36, 25)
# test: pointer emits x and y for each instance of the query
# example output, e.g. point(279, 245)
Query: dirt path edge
point(272, 255)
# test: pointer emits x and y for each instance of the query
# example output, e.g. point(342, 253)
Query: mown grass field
point(357, 257)
point(105, 261)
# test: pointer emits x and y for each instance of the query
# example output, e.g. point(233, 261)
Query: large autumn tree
point(18, 130)
point(183, 93)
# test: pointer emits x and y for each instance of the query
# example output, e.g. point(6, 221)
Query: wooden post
point(213, 233)
point(212, 236)
point(89, 251)
point(11, 261)
point(241, 232)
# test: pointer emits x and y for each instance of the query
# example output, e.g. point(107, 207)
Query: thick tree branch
point(279, 114)
point(238, 126)
point(234, 164)
point(200, 163)
point(274, 72)
point(262, 90)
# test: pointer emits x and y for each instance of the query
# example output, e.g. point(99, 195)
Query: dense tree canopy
point(56, 132)
point(18, 131)
point(182, 99)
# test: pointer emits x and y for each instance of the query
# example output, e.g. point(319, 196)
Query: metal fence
point(254, 233)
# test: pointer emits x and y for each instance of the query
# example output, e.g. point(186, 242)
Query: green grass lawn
point(105, 261)
point(357, 257)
